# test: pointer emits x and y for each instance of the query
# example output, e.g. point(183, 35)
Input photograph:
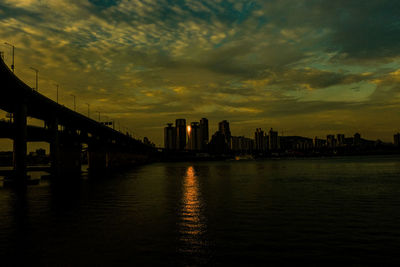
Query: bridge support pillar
point(54, 147)
point(69, 158)
point(97, 159)
point(20, 143)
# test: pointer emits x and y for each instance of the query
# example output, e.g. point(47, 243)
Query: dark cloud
point(368, 30)
point(249, 61)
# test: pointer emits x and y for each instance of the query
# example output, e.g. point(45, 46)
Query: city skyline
point(308, 69)
point(187, 136)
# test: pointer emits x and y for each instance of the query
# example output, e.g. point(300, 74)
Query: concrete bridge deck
point(64, 129)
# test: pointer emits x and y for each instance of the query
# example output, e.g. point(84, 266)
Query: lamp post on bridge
point(105, 118)
point(13, 48)
point(37, 84)
point(74, 101)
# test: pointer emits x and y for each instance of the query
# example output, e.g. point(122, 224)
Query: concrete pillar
point(97, 158)
point(54, 147)
point(69, 159)
point(20, 140)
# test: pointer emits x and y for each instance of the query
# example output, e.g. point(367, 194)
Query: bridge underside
point(65, 130)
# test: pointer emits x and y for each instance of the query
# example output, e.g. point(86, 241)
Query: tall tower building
point(223, 127)
point(318, 143)
point(169, 137)
point(273, 143)
point(203, 133)
point(330, 141)
point(194, 140)
point(180, 127)
point(340, 139)
point(259, 140)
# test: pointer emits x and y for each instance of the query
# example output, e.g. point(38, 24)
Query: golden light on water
point(192, 223)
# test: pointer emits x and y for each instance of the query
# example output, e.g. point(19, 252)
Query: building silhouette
point(223, 127)
point(218, 144)
point(203, 134)
point(273, 141)
point(396, 138)
point(194, 137)
point(259, 140)
point(318, 143)
point(330, 141)
point(357, 139)
point(340, 140)
point(170, 137)
point(180, 127)
point(296, 143)
point(241, 144)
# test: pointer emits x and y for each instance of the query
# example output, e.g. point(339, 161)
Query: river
point(333, 211)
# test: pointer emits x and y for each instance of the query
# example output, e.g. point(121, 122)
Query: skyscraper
point(241, 144)
point(180, 126)
point(330, 141)
point(273, 143)
point(340, 139)
point(318, 143)
point(203, 133)
point(218, 143)
point(223, 127)
point(259, 140)
point(194, 139)
point(169, 137)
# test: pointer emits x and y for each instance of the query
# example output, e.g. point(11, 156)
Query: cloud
point(147, 61)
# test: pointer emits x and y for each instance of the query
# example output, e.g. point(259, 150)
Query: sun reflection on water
point(192, 223)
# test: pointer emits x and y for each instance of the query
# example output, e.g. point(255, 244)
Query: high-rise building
point(241, 144)
point(273, 143)
point(330, 141)
point(169, 137)
point(223, 127)
point(203, 133)
point(180, 127)
point(218, 143)
point(397, 139)
point(194, 140)
point(259, 140)
point(340, 139)
point(318, 143)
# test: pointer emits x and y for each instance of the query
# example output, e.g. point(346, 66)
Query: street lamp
point(88, 110)
point(37, 86)
point(74, 101)
point(13, 48)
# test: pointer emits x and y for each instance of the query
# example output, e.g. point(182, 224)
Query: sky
point(304, 67)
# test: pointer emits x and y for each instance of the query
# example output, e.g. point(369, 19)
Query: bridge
point(64, 129)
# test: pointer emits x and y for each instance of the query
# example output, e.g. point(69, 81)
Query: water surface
point(338, 211)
